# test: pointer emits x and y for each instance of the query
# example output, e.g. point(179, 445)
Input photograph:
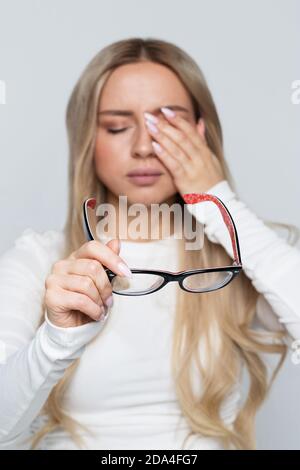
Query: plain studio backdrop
point(249, 53)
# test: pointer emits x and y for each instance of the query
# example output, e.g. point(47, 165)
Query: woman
point(153, 372)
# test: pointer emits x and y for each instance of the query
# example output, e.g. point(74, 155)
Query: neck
point(142, 226)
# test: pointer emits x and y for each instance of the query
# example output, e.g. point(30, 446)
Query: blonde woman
point(89, 369)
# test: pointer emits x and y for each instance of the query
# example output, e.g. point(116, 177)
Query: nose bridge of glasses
point(174, 276)
point(168, 276)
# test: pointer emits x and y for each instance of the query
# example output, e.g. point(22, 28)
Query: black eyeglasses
point(147, 281)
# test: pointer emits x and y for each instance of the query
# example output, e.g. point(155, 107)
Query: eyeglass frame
point(169, 276)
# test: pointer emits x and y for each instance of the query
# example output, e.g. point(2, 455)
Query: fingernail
point(124, 269)
point(109, 301)
point(151, 126)
point(151, 118)
point(156, 146)
point(103, 312)
point(168, 112)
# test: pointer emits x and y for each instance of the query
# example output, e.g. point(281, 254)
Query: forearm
point(268, 260)
point(28, 376)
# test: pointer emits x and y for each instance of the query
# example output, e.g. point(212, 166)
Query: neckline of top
point(149, 243)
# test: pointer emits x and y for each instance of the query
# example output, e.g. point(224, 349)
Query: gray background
point(249, 53)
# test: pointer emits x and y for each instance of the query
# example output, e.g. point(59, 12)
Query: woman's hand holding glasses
point(78, 289)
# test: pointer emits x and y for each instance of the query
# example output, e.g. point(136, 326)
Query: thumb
point(115, 245)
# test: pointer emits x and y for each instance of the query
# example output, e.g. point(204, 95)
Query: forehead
point(143, 85)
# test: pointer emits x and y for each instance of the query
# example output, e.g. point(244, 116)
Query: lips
point(144, 172)
point(144, 176)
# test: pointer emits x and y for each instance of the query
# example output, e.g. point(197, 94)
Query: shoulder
point(52, 240)
point(35, 249)
point(290, 233)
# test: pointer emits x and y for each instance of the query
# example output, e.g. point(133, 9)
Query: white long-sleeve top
point(122, 390)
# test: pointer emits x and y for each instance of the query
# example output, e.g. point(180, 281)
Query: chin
point(147, 199)
point(142, 199)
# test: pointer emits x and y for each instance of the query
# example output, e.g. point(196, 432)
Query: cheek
point(167, 185)
point(111, 164)
point(108, 159)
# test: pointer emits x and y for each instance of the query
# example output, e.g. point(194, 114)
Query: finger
point(187, 128)
point(76, 301)
point(94, 249)
point(89, 268)
point(82, 284)
point(173, 165)
point(172, 141)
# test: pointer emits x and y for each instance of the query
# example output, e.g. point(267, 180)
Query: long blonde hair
point(226, 314)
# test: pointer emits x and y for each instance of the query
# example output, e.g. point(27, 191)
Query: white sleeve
point(270, 262)
point(32, 359)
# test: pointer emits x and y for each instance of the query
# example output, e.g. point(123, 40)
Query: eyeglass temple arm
point(193, 198)
point(91, 202)
point(189, 198)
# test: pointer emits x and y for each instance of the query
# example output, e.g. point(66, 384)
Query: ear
point(200, 126)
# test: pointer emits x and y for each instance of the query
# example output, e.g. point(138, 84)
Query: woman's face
point(133, 89)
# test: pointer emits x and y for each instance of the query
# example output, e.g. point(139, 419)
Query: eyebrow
point(125, 112)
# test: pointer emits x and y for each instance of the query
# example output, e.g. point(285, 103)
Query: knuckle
point(72, 255)
point(88, 247)
point(92, 245)
point(49, 280)
point(48, 298)
point(107, 288)
point(94, 267)
point(81, 301)
point(103, 283)
point(58, 265)
point(87, 283)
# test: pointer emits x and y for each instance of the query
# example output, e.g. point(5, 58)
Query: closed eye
point(116, 131)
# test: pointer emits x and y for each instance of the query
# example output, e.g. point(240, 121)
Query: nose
point(142, 146)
